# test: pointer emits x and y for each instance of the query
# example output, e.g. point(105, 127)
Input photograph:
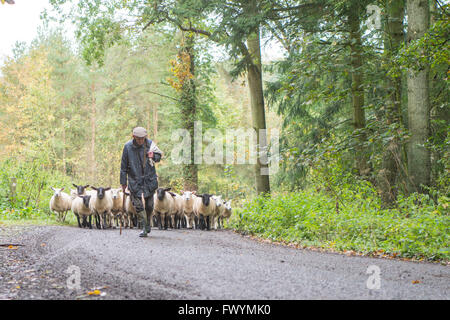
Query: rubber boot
point(144, 232)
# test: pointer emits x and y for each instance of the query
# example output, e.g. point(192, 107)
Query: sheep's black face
point(101, 192)
point(160, 192)
point(205, 199)
point(86, 200)
point(80, 188)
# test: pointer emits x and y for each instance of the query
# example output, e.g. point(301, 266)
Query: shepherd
point(138, 173)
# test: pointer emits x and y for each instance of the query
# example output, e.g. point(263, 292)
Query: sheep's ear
point(94, 188)
point(86, 186)
point(74, 185)
point(109, 188)
point(52, 188)
point(167, 189)
point(194, 192)
point(62, 189)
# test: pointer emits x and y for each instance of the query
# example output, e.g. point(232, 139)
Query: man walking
point(137, 171)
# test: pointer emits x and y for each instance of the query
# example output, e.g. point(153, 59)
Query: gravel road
point(192, 264)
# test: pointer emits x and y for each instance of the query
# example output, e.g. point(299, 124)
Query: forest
point(359, 98)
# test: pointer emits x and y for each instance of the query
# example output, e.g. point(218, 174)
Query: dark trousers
point(139, 206)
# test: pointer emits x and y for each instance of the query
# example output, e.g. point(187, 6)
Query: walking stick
point(123, 209)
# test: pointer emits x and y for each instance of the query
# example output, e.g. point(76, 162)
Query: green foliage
point(418, 228)
point(33, 190)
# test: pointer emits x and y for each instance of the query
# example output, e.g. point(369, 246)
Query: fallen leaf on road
point(415, 281)
point(12, 247)
point(94, 293)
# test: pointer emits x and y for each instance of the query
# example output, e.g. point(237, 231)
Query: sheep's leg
point(160, 221)
point(164, 220)
point(78, 220)
point(104, 222)
point(115, 221)
point(213, 222)
point(196, 221)
point(187, 221)
point(96, 218)
point(203, 222)
point(191, 221)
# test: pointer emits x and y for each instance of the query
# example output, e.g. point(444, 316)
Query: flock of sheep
point(110, 209)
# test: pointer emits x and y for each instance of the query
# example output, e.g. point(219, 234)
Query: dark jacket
point(131, 168)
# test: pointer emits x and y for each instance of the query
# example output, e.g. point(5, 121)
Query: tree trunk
point(155, 122)
point(357, 90)
point(254, 76)
point(418, 103)
point(93, 121)
point(392, 43)
point(188, 110)
point(64, 144)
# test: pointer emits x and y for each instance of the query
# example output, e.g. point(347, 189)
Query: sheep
point(226, 213)
point(73, 196)
point(204, 208)
point(219, 208)
point(117, 209)
point(101, 204)
point(60, 202)
point(80, 207)
point(188, 207)
point(163, 206)
point(129, 211)
point(177, 214)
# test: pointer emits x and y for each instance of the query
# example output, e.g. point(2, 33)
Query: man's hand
point(124, 187)
point(150, 154)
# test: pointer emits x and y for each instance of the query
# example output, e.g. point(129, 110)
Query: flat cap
point(139, 132)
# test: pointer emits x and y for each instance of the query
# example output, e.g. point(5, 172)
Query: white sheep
point(101, 204)
point(163, 206)
point(177, 212)
point(60, 202)
point(81, 208)
point(117, 208)
point(188, 207)
point(129, 211)
point(226, 213)
point(204, 208)
point(219, 209)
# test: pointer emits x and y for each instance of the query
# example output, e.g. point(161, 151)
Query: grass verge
point(417, 228)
